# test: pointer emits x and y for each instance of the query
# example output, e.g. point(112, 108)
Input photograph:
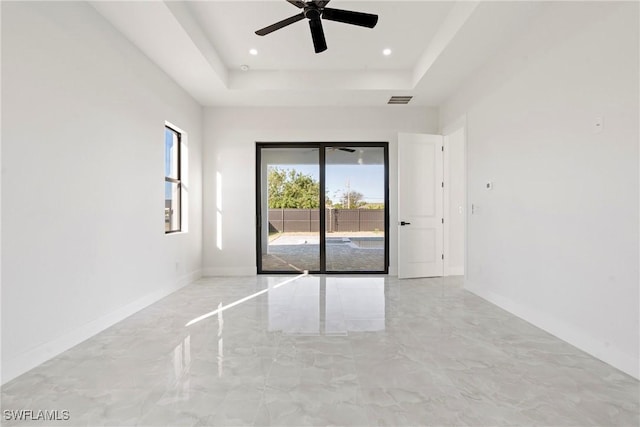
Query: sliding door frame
point(322, 146)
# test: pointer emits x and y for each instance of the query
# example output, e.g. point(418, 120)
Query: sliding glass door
point(356, 208)
point(322, 207)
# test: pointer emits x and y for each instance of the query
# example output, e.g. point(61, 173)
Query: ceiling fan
point(314, 10)
point(348, 150)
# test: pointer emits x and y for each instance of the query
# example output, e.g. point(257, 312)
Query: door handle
point(404, 223)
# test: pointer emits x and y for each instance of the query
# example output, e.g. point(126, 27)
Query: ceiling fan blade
point(297, 3)
point(321, 3)
point(271, 28)
point(348, 17)
point(317, 34)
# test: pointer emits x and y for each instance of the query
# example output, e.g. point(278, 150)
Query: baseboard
point(185, 280)
point(455, 271)
point(562, 330)
point(16, 366)
point(229, 271)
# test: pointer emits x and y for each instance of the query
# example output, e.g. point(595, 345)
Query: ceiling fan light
point(253, 52)
point(386, 52)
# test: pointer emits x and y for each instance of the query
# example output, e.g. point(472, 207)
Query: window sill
point(174, 233)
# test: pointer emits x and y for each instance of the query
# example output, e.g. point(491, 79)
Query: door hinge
point(443, 148)
point(443, 220)
point(442, 256)
point(443, 185)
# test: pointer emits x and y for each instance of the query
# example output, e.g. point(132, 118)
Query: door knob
point(404, 223)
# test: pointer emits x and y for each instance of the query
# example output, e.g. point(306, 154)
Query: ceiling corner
point(186, 20)
point(453, 23)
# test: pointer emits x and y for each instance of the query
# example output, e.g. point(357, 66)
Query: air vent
point(399, 100)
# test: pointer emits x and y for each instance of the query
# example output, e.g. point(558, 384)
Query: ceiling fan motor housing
point(311, 12)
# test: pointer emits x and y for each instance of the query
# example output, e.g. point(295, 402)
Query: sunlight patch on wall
point(219, 210)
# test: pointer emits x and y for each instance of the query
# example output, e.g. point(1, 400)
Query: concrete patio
point(355, 251)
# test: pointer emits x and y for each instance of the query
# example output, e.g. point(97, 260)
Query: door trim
point(453, 126)
point(448, 213)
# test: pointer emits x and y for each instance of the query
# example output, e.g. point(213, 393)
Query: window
point(172, 181)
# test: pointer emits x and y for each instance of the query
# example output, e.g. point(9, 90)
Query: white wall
point(229, 152)
point(556, 240)
point(83, 242)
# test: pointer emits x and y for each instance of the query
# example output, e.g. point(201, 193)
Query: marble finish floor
point(341, 351)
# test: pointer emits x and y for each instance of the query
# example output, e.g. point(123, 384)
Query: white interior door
point(420, 205)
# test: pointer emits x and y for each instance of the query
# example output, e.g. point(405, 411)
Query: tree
point(290, 189)
point(373, 206)
point(327, 200)
point(351, 200)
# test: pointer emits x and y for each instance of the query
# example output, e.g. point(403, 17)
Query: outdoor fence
point(308, 220)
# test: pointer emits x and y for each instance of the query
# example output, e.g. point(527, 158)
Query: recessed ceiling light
point(386, 52)
point(244, 67)
point(253, 52)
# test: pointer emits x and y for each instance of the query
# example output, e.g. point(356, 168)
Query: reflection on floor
point(353, 351)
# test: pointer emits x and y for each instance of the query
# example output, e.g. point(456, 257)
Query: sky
point(168, 140)
point(365, 179)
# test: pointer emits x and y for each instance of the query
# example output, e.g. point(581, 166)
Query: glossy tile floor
point(356, 351)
